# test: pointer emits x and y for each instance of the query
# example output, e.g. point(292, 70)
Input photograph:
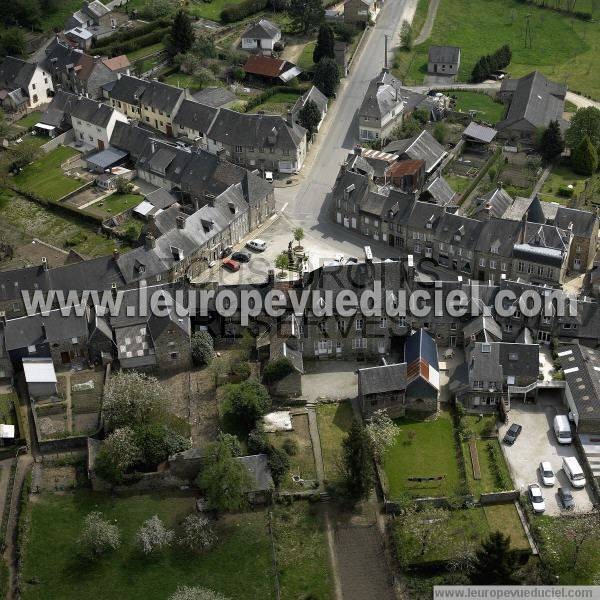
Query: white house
point(261, 37)
point(313, 95)
point(23, 85)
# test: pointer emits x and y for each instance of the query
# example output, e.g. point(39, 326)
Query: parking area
point(537, 442)
point(331, 379)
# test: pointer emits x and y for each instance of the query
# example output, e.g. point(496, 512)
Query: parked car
point(258, 245)
point(242, 257)
point(536, 497)
point(573, 471)
point(226, 251)
point(231, 265)
point(547, 473)
point(566, 498)
point(269, 176)
point(512, 434)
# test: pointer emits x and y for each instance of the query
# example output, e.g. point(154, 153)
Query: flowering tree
point(196, 593)
point(153, 536)
point(382, 433)
point(197, 533)
point(99, 536)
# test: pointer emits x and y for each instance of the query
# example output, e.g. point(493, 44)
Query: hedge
point(130, 34)
point(136, 43)
point(269, 93)
point(233, 13)
point(277, 370)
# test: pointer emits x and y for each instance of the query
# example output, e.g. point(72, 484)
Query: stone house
point(583, 226)
point(443, 60)
point(382, 388)
point(193, 120)
point(315, 95)
point(361, 12)
point(23, 85)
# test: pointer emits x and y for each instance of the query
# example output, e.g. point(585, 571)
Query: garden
point(487, 108)
point(563, 47)
point(334, 421)
point(423, 459)
point(563, 185)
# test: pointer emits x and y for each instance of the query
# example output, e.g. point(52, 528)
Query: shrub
point(241, 369)
point(565, 192)
point(495, 461)
point(279, 463)
point(203, 348)
point(344, 31)
point(277, 369)
point(257, 442)
point(290, 446)
point(247, 401)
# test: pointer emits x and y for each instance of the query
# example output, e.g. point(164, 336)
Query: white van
point(573, 471)
point(562, 429)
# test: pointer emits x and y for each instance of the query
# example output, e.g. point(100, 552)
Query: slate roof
point(444, 54)
point(161, 198)
point(580, 222)
point(316, 96)
point(581, 366)
point(79, 107)
point(257, 466)
point(422, 146)
point(498, 201)
point(214, 96)
point(135, 91)
point(451, 225)
point(536, 100)
point(16, 73)
point(132, 138)
point(195, 116)
point(545, 244)
point(497, 361)
point(420, 354)
point(425, 212)
point(517, 210)
point(382, 379)
point(261, 131)
point(440, 191)
point(499, 234)
point(384, 94)
point(482, 324)
point(262, 30)
point(479, 132)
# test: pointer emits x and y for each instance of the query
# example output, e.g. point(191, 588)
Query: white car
point(537, 499)
point(547, 473)
point(258, 245)
point(269, 176)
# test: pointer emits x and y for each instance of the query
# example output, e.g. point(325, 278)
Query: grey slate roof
point(579, 222)
point(16, 73)
point(262, 30)
point(160, 96)
point(479, 132)
point(498, 201)
point(500, 234)
point(536, 100)
point(444, 54)
point(261, 131)
point(214, 96)
point(79, 107)
point(194, 115)
point(382, 379)
point(545, 244)
point(517, 210)
point(482, 324)
point(257, 466)
point(316, 96)
point(440, 191)
point(420, 147)
point(384, 94)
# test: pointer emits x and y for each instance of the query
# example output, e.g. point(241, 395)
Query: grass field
point(334, 422)
point(564, 48)
point(45, 178)
point(561, 176)
point(430, 453)
point(21, 220)
point(210, 10)
point(465, 527)
point(7, 409)
point(487, 108)
point(238, 566)
point(457, 183)
point(28, 121)
point(488, 482)
point(115, 204)
point(183, 81)
point(305, 61)
point(145, 51)
point(56, 18)
point(278, 104)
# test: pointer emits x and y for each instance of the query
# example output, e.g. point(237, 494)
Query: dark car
point(242, 257)
point(512, 434)
point(566, 498)
point(226, 251)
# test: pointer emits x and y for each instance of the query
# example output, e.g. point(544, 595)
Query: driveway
point(331, 379)
point(537, 442)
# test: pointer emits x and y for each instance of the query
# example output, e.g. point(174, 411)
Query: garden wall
point(60, 140)
point(499, 497)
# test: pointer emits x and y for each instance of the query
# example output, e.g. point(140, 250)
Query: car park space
point(537, 442)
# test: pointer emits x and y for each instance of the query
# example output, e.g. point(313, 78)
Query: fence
point(60, 140)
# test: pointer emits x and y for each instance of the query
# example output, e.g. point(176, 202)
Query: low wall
point(499, 497)
point(60, 140)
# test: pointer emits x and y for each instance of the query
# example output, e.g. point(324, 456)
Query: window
point(418, 248)
point(482, 262)
point(504, 266)
point(340, 325)
point(366, 220)
point(453, 326)
point(521, 266)
point(359, 324)
point(478, 384)
point(35, 98)
point(323, 326)
point(492, 264)
point(238, 148)
point(382, 323)
point(250, 148)
point(33, 86)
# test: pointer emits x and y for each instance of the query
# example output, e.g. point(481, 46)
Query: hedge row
point(134, 44)
point(130, 34)
point(233, 13)
point(270, 92)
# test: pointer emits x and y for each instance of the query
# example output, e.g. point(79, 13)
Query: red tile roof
point(405, 167)
point(117, 62)
point(264, 65)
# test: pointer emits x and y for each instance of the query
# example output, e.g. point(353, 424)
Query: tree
point(196, 593)
point(440, 132)
point(327, 76)
point(494, 562)
point(197, 534)
point(203, 348)
point(420, 528)
point(277, 369)
point(357, 462)
point(324, 48)
point(247, 401)
point(282, 262)
point(224, 480)
point(298, 234)
point(181, 38)
point(306, 14)
point(578, 531)
point(20, 155)
point(406, 35)
point(156, 9)
point(382, 433)
point(98, 537)
point(231, 441)
point(409, 128)
point(309, 117)
point(584, 157)
point(153, 536)
point(12, 42)
point(584, 123)
point(204, 47)
point(220, 367)
point(117, 455)
point(124, 186)
point(156, 443)
point(551, 142)
point(279, 463)
point(132, 398)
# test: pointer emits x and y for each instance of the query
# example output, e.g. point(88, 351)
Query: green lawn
point(183, 81)
point(145, 51)
point(56, 18)
point(459, 528)
point(305, 61)
point(115, 204)
point(7, 409)
point(45, 178)
point(278, 104)
point(487, 108)
point(488, 482)
point(210, 10)
point(239, 565)
point(28, 121)
point(561, 176)
point(430, 453)
point(484, 426)
point(457, 183)
point(334, 421)
point(564, 48)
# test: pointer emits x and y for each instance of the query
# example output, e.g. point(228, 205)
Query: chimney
point(180, 221)
point(150, 241)
point(221, 154)
point(210, 199)
point(152, 147)
point(271, 276)
point(116, 254)
point(410, 268)
point(358, 150)
point(44, 263)
point(289, 118)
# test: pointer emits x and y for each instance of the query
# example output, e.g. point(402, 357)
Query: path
point(540, 182)
point(316, 443)
point(429, 21)
point(67, 377)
